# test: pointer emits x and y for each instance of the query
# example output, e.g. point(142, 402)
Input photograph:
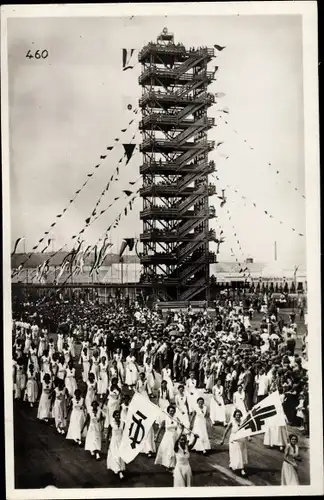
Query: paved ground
point(43, 458)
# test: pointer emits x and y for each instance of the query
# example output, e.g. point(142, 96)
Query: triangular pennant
point(90, 175)
point(88, 220)
point(129, 149)
point(127, 192)
point(97, 166)
point(219, 47)
point(102, 157)
point(124, 130)
point(110, 148)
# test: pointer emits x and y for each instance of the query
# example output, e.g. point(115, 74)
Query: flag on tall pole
point(266, 413)
point(140, 418)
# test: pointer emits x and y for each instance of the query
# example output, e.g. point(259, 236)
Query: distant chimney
point(249, 260)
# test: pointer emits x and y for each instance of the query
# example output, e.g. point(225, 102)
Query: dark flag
point(129, 149)
point(219, 47)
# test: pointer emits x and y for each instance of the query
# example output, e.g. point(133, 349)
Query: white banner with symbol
point(266, 413)
point(140, 418)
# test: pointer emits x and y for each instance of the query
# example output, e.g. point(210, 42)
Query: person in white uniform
point(182, 474)
point(238, 457)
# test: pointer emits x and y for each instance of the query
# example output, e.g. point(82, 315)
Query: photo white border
point(308, 11)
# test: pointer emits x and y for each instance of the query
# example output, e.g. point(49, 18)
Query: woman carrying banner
point(289, 475)
point(238, 458)
point(114, 462)
point(199, 426)
point(94, 435)
point(182, 475)
point(166, 455)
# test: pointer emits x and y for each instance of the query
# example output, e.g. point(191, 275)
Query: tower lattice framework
point(175, 169)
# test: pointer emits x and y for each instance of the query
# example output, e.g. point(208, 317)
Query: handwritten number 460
point(37, 55)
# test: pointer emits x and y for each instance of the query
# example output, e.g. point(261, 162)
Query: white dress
point(289, 475)
point(182, 475)
point(120, 366)
point(238, 402)
point(275, 436)
point(182, 412)
point(148, 369)
point(70, 382)
point(131, 371)
point(103, 379)
point(166, 375)
point(60, 341)
point(94, 435)
point(200, 428)
point(28, 341)
point(112, 405)
point(31, 393)
point(95, 367)
point(163, 403)
point(237, 449)
point(85, 361)
point(91, 395)
point(217, 406)
point(71, 344)
point(114, 462)
point(61, 371)
point(41, 347)
point(20, 381)
point(44, 407)
point(192, 396)
point(77, 419)
point(123, 412)
point(165, 455)
point(46, 365)
point(60, 409)
point(33, 360)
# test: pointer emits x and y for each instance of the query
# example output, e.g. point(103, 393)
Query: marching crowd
point(191, 364)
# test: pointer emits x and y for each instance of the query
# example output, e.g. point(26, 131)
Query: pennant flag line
point(19, 240)
point(89, 176)
point(266, 212)
point(269, 164)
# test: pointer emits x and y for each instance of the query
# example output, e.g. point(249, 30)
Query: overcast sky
point(66, 109)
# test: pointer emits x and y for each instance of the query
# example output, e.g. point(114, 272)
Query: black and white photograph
point(161, 269)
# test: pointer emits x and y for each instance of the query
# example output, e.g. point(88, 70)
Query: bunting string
point(77, 193)
point(269, 164)
point(242, 270)
point(265, 212)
